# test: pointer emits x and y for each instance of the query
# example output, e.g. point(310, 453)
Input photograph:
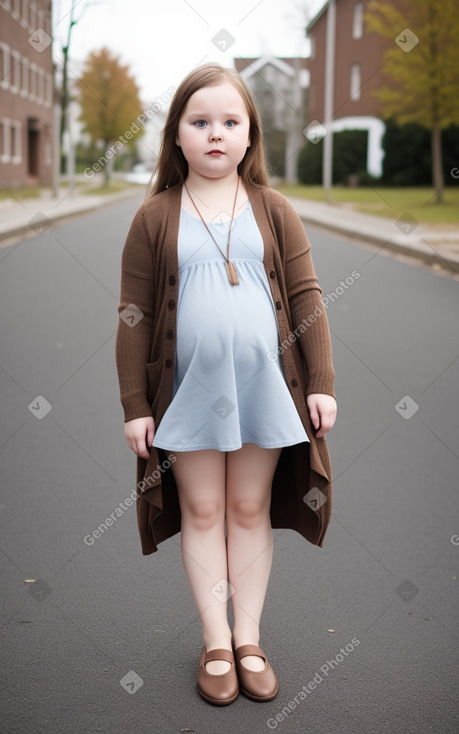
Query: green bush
point(408, 155)
point(349, 157)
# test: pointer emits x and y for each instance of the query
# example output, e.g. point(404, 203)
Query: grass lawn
point(387, 202)
point(23, 192)
point(112, 188)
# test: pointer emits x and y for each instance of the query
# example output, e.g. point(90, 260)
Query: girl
point(225, 369)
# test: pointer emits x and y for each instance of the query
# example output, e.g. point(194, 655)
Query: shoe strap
point(244, 650)
point(219, 654)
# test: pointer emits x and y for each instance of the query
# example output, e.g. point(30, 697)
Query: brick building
point(26, 93)
point(358, 67)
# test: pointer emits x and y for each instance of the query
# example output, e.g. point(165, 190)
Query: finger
point(150, 436)
point(314, 415)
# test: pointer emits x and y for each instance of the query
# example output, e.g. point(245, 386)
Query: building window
point(16, 12)
point(5, 140)
point(4, 65)
point(49, 90)
point(16, 148)
point(357, 25)
point(25, 13)
point(356, 81)
point(15, 72)
point(33, 82)
point(25, 76)
point(32, 17)
point(41, 85)
point(313, 48)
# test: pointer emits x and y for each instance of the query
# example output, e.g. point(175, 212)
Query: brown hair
point(172, 168)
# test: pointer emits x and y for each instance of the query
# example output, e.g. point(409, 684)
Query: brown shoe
point(259, 685)
point(218, 689)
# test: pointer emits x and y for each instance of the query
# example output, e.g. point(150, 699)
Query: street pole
point(327, 164)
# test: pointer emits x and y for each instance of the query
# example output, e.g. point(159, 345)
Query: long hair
point(172, 168)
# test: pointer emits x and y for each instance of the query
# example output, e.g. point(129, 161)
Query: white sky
point(162, 40)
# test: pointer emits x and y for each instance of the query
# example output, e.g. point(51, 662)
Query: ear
point(177, 141)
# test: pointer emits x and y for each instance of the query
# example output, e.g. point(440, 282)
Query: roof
point(316, 17)
point(249, 66)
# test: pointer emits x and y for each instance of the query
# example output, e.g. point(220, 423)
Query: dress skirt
point(229, 383)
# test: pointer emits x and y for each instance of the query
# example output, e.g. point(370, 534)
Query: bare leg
point(200, 479)
point(250, 472)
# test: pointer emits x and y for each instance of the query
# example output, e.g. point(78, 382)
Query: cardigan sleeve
point(134, 332)
point(309, 317)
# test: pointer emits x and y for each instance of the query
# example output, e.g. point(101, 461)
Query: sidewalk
point(35, 216)
point(432, 244)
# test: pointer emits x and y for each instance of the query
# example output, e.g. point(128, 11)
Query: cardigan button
point(272, 274)
point(171, 304)
point(171, 280)
point(278, 305)
point(168, 363)
point(169, 334)
point(294, 383)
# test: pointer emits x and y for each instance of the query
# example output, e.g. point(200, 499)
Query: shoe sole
point(260, 699)
point(218, 701)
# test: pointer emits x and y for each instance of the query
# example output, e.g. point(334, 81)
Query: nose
point(215, 134)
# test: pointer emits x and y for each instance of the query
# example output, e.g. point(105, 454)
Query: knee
point(247, 513)
point(204, 515)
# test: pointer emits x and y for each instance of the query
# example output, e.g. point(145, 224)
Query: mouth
point(215, 152)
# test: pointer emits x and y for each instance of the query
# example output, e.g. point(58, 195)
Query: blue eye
point(230, 123)
point(198, 123)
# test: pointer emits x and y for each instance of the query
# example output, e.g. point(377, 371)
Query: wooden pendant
point(232, 274)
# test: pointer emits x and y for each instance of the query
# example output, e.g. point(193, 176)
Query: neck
point(223, 185)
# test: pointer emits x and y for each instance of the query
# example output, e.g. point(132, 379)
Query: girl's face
point(213, 131)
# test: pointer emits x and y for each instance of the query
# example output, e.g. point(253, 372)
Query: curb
point(23, 228)
point(418, 253)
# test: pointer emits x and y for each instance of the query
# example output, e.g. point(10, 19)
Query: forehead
point(223, 97)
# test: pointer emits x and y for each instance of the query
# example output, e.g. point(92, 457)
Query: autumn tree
point(421, 67)
point(110, 103)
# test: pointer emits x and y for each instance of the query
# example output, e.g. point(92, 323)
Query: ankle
point(214, 641)
point(245, 637)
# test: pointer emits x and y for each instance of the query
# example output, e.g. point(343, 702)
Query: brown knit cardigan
point(145, 358)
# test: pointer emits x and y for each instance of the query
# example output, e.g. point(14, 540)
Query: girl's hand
point(136, 431)
point(322, 410)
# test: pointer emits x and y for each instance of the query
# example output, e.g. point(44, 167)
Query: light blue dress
point(229, 383)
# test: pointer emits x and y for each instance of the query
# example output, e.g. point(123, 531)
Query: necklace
point(230, 269)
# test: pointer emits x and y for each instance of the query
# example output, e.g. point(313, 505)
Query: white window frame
point(6, 155)
point(357, 21)
point(47, 22)
point(33, 82)
point(40, 85)
point(25, 13)
point(48, 90)
point(15, 72)
point(16, 11)
point(32, 17)
point(355, 82)
point(16, 154)
point(5, 72)
point(25, 76)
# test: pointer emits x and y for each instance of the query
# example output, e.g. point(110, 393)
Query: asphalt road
point(363, 633)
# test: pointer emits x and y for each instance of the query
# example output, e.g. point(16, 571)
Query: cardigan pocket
point(154, 372)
